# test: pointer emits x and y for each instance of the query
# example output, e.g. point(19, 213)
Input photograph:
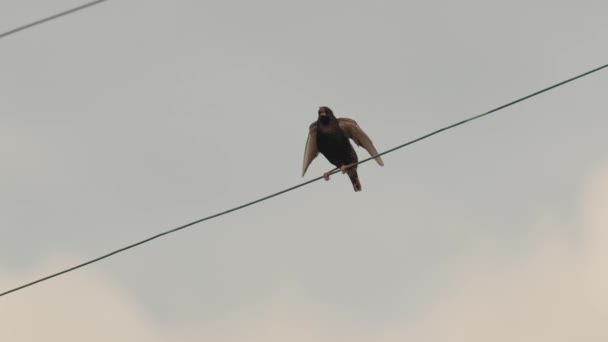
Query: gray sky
point(133, 117)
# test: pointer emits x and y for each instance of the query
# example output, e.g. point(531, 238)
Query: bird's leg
point(328, 173)
point(344, 168)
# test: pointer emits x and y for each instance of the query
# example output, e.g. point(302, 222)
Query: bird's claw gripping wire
point(329, 173)
point(343, 168)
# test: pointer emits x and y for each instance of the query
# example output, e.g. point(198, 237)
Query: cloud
point(554, 291)
point(88, 306)
point(83, 306)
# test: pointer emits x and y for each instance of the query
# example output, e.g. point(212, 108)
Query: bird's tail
point(354, 178)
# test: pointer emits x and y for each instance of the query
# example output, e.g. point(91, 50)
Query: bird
point(329, 135)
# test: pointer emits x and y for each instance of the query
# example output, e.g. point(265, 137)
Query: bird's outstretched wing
point(353, 131)
point(311, 151)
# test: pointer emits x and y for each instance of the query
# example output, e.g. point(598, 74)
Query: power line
point(484, 114)
point(296, 186)
point(55, 16)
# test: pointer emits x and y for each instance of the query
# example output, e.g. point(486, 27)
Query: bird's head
point(325, 114)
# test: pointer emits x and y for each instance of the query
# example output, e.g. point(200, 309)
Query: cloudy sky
point(133, 117)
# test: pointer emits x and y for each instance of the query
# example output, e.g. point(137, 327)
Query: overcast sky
point(133, 117)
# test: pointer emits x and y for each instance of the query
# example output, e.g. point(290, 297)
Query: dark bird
point(329, 136)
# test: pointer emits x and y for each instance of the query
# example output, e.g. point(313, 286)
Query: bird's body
point(329, 136)
point(334, 145)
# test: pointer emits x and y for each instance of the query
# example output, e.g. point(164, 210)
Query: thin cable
point(295, 186)
point(486, 113)
point(55, 16)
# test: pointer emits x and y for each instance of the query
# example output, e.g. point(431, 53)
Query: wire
point(295, 186)
point(486, 113)
point(55, 16)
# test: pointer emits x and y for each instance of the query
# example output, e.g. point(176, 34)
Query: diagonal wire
point(53, 17)
point(296, 186)
point(484, 114)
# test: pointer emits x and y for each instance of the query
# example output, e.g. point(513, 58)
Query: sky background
point(134, 117)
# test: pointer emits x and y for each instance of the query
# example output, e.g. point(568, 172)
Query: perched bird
point(329, 136)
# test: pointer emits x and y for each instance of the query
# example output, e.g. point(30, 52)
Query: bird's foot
point(326, 175)
point(344, 168)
